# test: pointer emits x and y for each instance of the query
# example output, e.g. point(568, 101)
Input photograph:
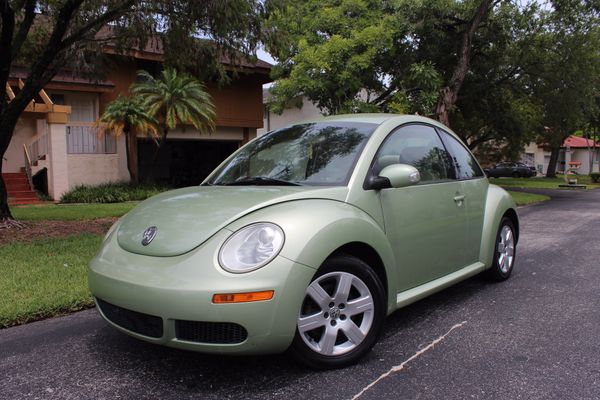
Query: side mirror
point(395, 176)
point(401, 175)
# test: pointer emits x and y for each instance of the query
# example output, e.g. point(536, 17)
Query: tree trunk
point(132, 156)
point(4, 209)
point(7, 128)
point(165, 132)
point(449, 94)
point(551, 172)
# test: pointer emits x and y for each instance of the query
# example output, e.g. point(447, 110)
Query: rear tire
point(505, 251)
point(342, 314)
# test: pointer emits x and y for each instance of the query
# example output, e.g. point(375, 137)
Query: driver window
point(419, 146)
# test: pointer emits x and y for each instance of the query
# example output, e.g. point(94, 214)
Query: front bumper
point(181, 288)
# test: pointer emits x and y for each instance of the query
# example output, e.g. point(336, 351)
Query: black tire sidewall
point(355, 266)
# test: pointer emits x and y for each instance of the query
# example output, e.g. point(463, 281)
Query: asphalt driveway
point(536, 336)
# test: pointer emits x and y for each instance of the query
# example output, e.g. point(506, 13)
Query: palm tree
point(175, 98)
point(128, 116)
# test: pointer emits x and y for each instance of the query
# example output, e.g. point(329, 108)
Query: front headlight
point(251, 247)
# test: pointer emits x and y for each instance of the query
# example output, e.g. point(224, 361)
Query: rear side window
point(466, 166)
point(419, 146)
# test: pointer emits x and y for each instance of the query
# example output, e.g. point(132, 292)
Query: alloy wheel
point(506, 249)
point(337, 314)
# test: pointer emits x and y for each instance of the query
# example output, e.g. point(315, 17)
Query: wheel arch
point(514, 218)
point(367, 254)
point(499, 203)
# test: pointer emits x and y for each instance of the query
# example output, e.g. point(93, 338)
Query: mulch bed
point(36, 230)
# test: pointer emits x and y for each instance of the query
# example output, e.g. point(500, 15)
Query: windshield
point(309, 154)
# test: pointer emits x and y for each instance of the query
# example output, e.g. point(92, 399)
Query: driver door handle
point(458, 199)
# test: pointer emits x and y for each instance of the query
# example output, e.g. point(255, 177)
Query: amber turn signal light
point(242, 297)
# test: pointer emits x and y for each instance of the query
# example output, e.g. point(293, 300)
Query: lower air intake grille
point(144, 324)
point(210, 332)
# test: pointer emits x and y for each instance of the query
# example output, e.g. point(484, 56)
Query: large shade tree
point(563, 70)
point(368, 55)
point(485, 68)
point(43, 36)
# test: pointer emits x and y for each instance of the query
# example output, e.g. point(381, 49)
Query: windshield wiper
point(262, 180)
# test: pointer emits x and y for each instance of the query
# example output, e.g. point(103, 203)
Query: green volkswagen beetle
point(305, 239)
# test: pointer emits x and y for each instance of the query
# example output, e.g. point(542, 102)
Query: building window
point(86, 140)
point(82, 134)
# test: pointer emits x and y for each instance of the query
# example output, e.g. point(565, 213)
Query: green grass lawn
point(45, 278)
point(70, 212)
point(523, 199)
point(542, 183)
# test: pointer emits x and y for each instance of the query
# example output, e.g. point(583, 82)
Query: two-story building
point(57, 140)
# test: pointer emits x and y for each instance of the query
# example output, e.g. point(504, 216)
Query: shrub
point(595, 177)
point(114, 192)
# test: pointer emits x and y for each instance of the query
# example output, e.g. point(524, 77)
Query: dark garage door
point(181, 162)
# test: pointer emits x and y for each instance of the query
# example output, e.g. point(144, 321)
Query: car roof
point(380, 119)
point(374, 118)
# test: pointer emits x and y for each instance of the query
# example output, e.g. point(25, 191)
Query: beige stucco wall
point(94, 169)
point(289, 116)
point(539, 153)
point(57, 163)
point(14, 157)
point(583, 156)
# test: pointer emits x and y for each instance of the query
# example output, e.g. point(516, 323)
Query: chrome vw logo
point(334, 313)
point(149, 235)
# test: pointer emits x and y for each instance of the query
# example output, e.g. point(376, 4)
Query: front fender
point(316, 228)
point(498, 202)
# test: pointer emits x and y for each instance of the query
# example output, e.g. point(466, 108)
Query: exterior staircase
point(19, 191)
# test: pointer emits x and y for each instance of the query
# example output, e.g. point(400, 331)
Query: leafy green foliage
point(111, 193)
point(45, 278)
point(563, 70)
point(366, 55)
point(126, 115)
point(330, 51)
point(595, 176)
point(175, 98)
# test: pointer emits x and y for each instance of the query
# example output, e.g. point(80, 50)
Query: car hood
point(186, 218)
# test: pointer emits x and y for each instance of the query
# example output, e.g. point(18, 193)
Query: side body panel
point(475, 192)
point(427, 229)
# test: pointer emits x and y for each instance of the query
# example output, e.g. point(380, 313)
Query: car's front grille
point(210, 332)
point(137, 322)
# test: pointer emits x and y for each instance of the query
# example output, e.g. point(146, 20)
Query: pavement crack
point(400, 367)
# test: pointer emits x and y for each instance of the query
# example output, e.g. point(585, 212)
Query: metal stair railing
point(28, 167)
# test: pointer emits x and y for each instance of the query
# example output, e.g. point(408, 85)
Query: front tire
point(342, 314)
point(504, 252)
